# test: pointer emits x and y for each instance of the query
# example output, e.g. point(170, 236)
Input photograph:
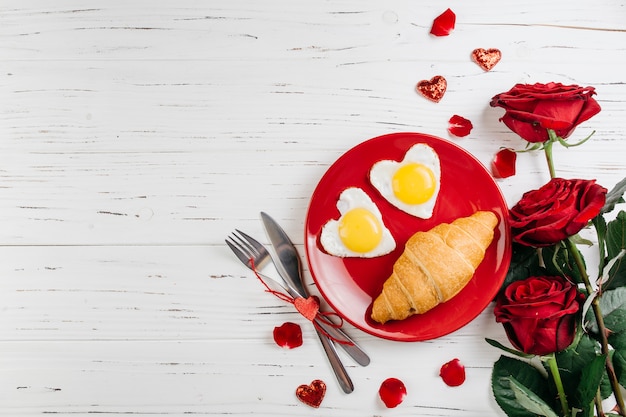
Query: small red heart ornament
point(486, 58)
point(308, 307)
point(433, 89)
point(312, 394)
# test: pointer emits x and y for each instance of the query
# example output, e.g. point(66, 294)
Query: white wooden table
point(135, 135)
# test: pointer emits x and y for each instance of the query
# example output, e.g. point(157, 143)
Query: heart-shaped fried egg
point(359, 231)
point(412, 185)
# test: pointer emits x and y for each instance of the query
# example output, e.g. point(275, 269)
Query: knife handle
point(351, 348)
point(340, 371)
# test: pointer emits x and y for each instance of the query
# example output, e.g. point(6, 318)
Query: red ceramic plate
point(349, 285)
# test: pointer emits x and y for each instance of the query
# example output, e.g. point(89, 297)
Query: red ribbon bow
point(308, 307)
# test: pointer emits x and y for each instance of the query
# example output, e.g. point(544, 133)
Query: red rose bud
point(288, 336)
point(556, 211)
point(532, 109)
point(392, 392)
point(443, 24)
point(503, 163)
point(459, 126)
point(539, 314)
point(453, 373)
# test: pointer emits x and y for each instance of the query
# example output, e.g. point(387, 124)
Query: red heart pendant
point(312, 394)
point(308, 307)
point(433, 89)
point(486, 58)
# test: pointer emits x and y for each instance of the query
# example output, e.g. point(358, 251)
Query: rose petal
point(392, 392)
point(503, 163)
point(288, 336)
point(443, 24)
point(459, 126)
point(453, 373)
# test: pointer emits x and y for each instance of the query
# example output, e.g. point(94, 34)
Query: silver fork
point(246, 247)
point(249, 251)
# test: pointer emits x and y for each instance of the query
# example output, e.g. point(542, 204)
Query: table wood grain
point(135, 135)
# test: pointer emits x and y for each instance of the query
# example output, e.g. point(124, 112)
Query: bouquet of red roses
point(568, 331)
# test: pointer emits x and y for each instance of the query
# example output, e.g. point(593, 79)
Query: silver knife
point(290, 268)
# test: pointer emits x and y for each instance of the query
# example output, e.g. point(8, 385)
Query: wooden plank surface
point(135, 135)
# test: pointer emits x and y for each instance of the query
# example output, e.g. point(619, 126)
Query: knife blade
point(289, 267)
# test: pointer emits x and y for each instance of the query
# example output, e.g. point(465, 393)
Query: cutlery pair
point(286, 262)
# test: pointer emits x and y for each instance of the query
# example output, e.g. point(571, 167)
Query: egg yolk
point(414, 183)
point(360, 230)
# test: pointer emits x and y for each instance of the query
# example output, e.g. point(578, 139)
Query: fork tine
point(260, 249)
point(248, 248)
point(239, 251)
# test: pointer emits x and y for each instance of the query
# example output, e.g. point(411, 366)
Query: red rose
point(556, 211)
point(539, 314)
point(532, 109)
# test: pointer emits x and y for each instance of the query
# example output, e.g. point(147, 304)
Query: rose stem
point(595, 304)
point(556, 375)
point(547, 148)
point(598, 402)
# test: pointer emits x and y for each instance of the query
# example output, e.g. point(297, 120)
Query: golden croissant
point(435, 266)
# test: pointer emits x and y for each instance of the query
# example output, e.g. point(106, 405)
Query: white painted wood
point(135, 135)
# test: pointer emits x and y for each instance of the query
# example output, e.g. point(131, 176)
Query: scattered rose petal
point(392, 392)
point(486, 58)
point(443, 24)
point(288, 336)
point(453, 373)
point(433, 89)
point(503, 163)
point(308, 307)
point(459, 126)
point(312, 394)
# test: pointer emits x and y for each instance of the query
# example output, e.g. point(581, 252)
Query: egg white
point(382, 172)
point(349, 199)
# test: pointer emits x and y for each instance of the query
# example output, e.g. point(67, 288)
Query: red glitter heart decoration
point(453, 373)
point(312, 394)
point(308, 307)
point(433, 89)
point(486, 58)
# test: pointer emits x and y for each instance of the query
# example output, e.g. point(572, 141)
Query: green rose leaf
point(520, 389)
point(619, 364)
point(618, 340)
point(530, 401)
point(515, 352)
point(614, 196)
point(599, 222)
point(618, 358)
point(613, 307)
point(573, 362)
point(589, 381)
point(524, 264)
point(559, 261)
point(615, 243)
